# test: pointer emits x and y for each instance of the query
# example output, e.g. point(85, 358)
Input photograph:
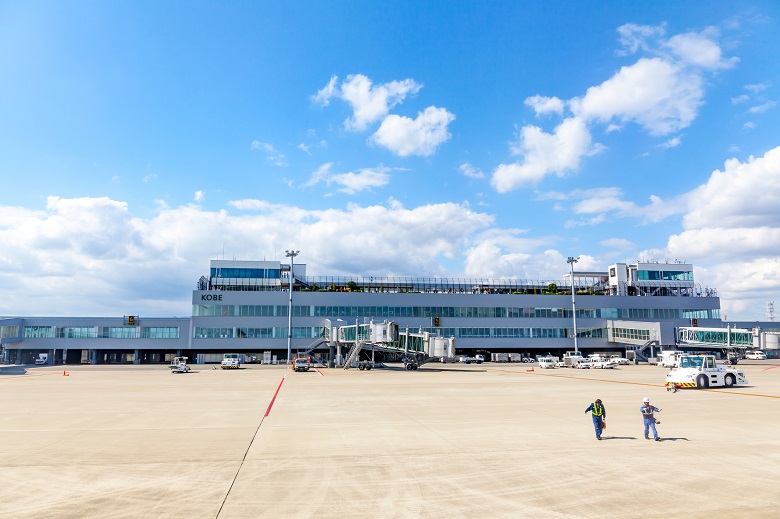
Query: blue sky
point(139, 140)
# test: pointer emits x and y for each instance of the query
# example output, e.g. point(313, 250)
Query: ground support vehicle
point(42, 359)
point(701, 371)
point(179, 365)
point(572, 359)
point(755, 355)
point(231, 361)
point(620, 361)
point(478, 359)
point(583, 364)
point(301, 364)
point(602, 364)
point(669, 358)
point(548, 362)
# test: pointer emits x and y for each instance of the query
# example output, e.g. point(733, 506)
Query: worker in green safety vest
point(599, 414)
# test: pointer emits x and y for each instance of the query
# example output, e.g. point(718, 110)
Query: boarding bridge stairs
point(353, 354)
point(386, 337)
point(640, 351)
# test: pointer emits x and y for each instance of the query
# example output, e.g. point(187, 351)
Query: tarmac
point(455, 441)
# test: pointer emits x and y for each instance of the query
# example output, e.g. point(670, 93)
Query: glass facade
point(450, 311)
point(242, 273)
point(9, 331)
point(665, 275)
point(315, 332)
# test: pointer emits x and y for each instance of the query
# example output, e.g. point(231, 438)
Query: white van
point(755, 355)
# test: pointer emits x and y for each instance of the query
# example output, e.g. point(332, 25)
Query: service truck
point(179, 365)
point(42, 359)
point(231, 361)
point(701, 371)
point(479, 359)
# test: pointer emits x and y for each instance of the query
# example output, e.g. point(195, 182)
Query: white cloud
point(700, 50)
point(370, 103)
point(661, 93)
point(304, 148)
point(324, 95)
point(671, 143)
point(421, 136)
point(634, 37)
point(273, 156)
point(351, 183)
point(365, 179)
point(199, 196)
point(749, 125)
point(762, 107)
point(731, 231)
point(544, 153)
point(652, 93)
point(470, 171)
point(756, 88)
point(742, 98)
point(543, 105)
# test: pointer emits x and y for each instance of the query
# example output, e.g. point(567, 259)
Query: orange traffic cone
point(530, 369)
point(65, 373)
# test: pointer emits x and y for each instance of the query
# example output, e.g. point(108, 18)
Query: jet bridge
point(417, 348)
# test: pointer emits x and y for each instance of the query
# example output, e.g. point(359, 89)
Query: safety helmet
point(646, 399)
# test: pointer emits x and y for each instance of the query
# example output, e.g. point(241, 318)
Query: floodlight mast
point(290, 254)
point(571, 261)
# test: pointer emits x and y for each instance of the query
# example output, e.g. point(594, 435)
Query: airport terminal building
point(247, 307)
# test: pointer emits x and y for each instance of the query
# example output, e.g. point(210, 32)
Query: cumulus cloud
point(593, 206)
point(543, 105)
point(420, 136)
point(661, 93)
point(199, 196)
point(731, 230)
point(370, 103)
point(671, 143)
point(118, 262)
point(470, 171)
point(545, 153)
point(351, 183)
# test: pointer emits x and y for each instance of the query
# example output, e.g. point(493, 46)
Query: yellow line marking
point(711, 390)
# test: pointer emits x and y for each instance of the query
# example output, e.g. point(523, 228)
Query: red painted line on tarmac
point(771, 367)
point(268, 411)
point(320, 372)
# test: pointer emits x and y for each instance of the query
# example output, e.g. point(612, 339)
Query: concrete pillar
point(137, 358)
point(93, 357)
point(50, 360)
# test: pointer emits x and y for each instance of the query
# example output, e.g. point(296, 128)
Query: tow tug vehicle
point(701, 371)
point(231, 361)
point(301, 364)
point(179, 365)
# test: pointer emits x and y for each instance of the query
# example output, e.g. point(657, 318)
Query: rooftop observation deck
point(584, 284)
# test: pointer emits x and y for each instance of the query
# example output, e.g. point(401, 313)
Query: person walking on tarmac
point(599, 415)
point(647, 411)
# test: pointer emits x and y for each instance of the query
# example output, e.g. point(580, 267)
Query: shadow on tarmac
point(673, 439)
point(618, 437)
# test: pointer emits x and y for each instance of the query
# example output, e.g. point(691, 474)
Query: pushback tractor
point(701, 371)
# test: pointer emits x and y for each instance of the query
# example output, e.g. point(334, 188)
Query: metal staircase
point(353, 353)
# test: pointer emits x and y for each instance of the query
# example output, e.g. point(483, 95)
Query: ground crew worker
point(647, 411)
point(599, 414)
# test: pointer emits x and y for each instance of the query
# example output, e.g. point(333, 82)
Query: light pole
point(571, 261)
point(290, 254)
